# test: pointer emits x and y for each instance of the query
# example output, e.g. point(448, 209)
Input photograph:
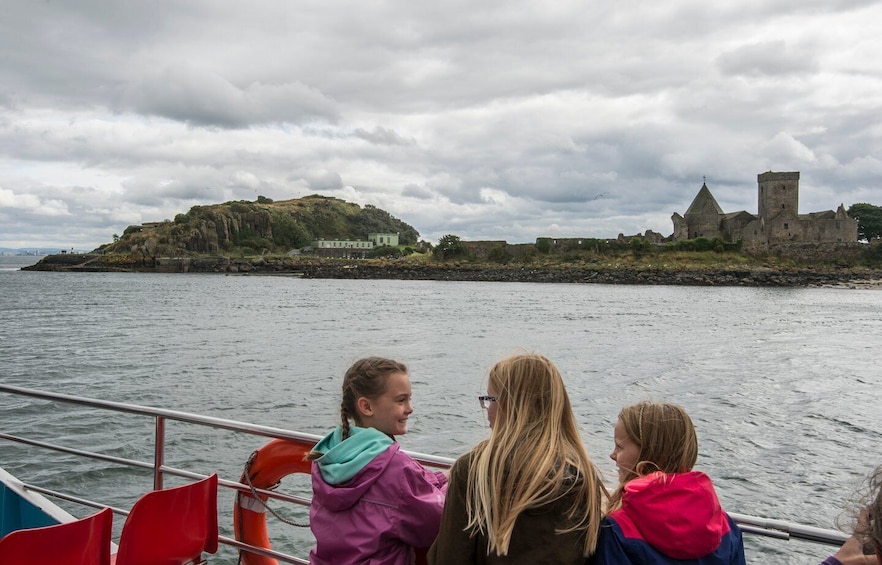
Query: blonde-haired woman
point(663, 512)
point(530, 493)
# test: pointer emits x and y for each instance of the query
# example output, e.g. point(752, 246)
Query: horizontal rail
point(262, 551)
point(778, 529)
point(79, 452)
point(222, 423)
point(789, 530)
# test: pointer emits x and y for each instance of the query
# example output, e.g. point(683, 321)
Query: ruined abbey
point(778, 221)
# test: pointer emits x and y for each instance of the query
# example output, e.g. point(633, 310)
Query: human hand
point(852, 553)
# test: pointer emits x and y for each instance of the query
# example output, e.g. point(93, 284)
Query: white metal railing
point(779, 529)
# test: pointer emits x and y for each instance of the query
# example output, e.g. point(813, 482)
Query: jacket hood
point(349, 467)
point(677, 514)
point(343, 459)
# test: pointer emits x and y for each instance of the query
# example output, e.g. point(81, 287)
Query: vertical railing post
point(158, 450)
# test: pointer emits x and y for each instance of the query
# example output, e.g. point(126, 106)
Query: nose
point(612, 455)
point(408, 408)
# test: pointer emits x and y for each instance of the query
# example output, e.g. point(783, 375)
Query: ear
point(364, 406)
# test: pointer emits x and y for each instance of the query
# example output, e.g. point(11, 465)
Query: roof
point(704, 203)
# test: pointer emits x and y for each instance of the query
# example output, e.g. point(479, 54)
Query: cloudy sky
point(489, 120)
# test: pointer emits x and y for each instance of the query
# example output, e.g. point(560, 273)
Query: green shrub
point(703, 244)
point(384, 251)
point(287, 232)
point(449, 247)
point(873, 254)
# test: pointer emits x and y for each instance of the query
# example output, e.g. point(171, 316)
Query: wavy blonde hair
point(532, 457)
point(666, 437)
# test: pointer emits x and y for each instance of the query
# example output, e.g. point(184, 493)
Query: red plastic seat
point(81, 542)
point(171, 526)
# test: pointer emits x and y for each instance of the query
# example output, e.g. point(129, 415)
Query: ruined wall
point(564, 244)
point(815, 252)
point(681, 229)
point(830, 226)
point(481, 249)
point(485, 250)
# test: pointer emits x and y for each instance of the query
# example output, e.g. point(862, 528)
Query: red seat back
point(171, 526)
point(81, 542)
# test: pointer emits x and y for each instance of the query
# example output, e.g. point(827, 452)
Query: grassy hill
point(252, 228)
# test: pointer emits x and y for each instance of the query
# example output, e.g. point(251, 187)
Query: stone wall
point(486, 250)
point(818, 252)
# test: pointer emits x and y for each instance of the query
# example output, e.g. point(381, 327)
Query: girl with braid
point(372, 503)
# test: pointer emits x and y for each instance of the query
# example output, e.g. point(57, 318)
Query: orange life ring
point(264, 469)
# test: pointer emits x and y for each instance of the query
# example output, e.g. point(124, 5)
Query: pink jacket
point(388, 507)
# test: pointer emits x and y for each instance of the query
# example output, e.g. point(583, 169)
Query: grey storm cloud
point(767, 58)
point(199, 98)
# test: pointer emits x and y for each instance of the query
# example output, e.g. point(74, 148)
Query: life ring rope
point(257, 504)
point(264, 470)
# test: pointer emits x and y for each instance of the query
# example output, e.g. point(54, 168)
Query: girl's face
point(389, 411)
point(626, 453)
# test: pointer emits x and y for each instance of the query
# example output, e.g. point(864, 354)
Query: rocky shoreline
point(631, 276)
point(404, 270)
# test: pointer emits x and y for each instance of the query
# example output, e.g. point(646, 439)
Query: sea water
point(783, 383)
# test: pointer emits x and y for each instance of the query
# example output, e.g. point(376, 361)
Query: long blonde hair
point(534, 457)
point(666, 437)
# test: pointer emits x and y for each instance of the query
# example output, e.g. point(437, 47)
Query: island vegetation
point(267, 237)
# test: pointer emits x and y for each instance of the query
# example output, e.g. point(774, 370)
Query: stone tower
point(778, 195)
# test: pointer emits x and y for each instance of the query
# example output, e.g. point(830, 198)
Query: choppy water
point(783, 384)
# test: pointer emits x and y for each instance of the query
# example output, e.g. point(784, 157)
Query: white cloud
point(9, 199)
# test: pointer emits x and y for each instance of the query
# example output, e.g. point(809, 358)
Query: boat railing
point(778, 529)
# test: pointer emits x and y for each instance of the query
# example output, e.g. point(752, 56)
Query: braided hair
point(365, 378)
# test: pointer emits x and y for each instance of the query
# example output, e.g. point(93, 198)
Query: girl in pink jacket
point(372, 503)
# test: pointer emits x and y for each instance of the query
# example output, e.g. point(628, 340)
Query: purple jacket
point(391, 505)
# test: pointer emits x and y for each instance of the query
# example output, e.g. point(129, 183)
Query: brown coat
point(533, 541)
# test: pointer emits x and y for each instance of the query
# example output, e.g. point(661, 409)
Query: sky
point(488, 120)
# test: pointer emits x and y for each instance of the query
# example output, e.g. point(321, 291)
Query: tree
point(869, 219)
point(449, 246)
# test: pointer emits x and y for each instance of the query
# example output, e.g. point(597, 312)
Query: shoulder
point(404, 466)
point(619, 524)
point(462, 465)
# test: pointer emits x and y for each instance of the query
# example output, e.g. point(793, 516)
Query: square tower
point(778, 194)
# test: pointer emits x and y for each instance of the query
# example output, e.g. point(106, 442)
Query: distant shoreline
point(631, 274)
